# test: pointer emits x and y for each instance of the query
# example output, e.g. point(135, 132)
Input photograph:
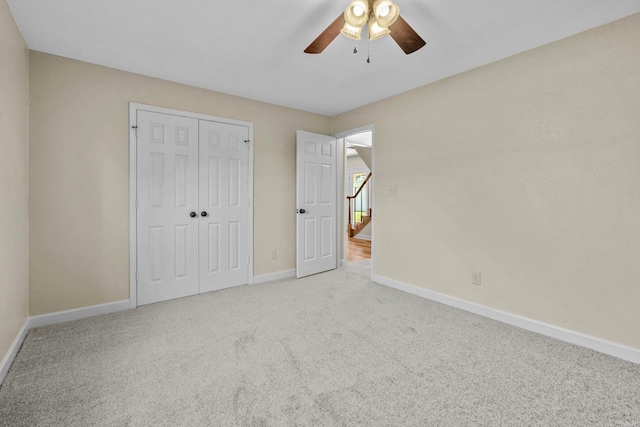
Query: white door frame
point(133, 168)
point(342, 231)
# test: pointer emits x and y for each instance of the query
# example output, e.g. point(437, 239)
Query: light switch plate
point(476, 279)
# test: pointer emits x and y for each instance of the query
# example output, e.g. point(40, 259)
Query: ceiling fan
point(382, 16)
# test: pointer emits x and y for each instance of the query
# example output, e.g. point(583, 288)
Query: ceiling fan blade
point(405, 36)
point(327, 36)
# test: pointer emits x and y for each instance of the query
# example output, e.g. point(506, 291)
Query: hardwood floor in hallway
point(358, 249)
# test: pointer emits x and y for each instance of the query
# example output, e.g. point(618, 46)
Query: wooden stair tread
point(355, 229)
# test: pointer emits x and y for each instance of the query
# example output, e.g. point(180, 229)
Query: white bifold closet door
point(224, 172)
point(192, 206)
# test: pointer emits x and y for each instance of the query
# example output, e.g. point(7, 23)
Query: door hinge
point(249, 201)
point(136, 130)
point(248, 260)
point(137, 277)
point(137, 204)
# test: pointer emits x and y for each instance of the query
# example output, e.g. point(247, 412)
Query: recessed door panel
point(327, 149)
point(156, 132)
point(213, 237)
point(310, 239)
point(326, 228)
point(182, 135)
point(234, 182)
point(181, 162)
point(214, 181)
point(309, 183)
point(234, 253)
point(182, 252)
point(327, 183)
point(157, 179)
point(156, 258)
point(310, 148)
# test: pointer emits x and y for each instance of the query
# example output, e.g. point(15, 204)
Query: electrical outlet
point(476, 279)
point(274, 254)
point(393, 190)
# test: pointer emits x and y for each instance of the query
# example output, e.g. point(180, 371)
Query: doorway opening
point(358, 184)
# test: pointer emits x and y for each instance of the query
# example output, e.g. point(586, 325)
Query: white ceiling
point(254, 49)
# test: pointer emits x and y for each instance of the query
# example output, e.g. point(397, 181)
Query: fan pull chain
point(368, 59)
point(355, 48)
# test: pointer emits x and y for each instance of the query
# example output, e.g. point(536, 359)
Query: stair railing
point(355, 201)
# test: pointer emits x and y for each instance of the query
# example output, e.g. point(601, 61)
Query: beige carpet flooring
point(330, 350)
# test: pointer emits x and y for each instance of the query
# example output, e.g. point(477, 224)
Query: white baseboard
point(621, 351)
point(52, 319)
point(278, 275)
point(77, 313)
point(7, 360)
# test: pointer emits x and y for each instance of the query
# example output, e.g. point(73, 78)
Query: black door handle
point(193, 214)
point(302, 211)
point(204, 213)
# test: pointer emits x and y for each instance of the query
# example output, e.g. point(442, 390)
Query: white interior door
point(224, 205)
point(167, 193)
point(193, 206)
point(316, 203)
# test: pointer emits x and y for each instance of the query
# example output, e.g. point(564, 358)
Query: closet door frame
point(133, 258)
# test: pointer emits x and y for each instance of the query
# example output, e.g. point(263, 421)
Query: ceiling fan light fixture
point(357, 14)
point(380, 15)
point(385, 12)
point(376, 31)
point(351, 31)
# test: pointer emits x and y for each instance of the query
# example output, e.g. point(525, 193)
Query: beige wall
point(14, 155)
point(526, 170)
point(356, 162)
point(79, 173)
